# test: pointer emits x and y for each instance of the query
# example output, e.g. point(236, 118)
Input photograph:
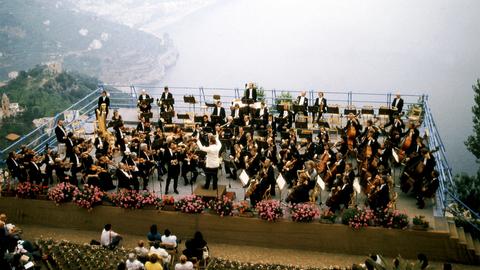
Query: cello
point(351, 131)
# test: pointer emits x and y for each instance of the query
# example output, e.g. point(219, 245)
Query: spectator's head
point(108, 227)
point(141, 243)
point(423, 259)
point(153, 229)
point(167, 233)
point(131, 257)
point(104, 93)
point(183, 259)
point(165, 89)
point(156, 244)
point(153, 258)
point(198, 236)
point(122, 266)
point(3, 217)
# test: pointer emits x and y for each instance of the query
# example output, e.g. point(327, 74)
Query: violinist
point(14, 165)
point(262, 113)
point(34, 172)
point(252, 162)
point(147, 164)
point(141, 126)
point(301, 190)
point(190, 164)
point(302, 100)
point(76, 165)
point(143, 97)
point(101, 145)
point(61, 167)
point(237, 115)
point(321, 104)
point(379, 198)
point(124, 176)
point(172, 159)
point(271, 125)
point(286, 117)
point(397, 104)
point(91, 176)
point(429, 187)
point(104, 175)
point(133, 165)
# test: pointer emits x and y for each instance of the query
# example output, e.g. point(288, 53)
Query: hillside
point(38, 31)
point(42, 93)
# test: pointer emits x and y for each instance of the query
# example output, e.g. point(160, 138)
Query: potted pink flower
point(88, 197)
point(304, 212)
point(270, 210)
point(27, 190)
point(62, 193)
point(192, 204)
point(222, 206)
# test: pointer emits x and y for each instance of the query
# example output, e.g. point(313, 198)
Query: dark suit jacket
point(265, 114)
point(247, 93)
point(172, 169)
point(106, 101)
point(318, 103)
point(34, 172)
point(305, 101)
point(60, 134)
point(399, 106)
point(166, 96)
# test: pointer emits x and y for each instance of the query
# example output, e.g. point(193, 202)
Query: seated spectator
point(169, 241)
point(109, 238)
point(153, 235)
point(195, 246)
point(141, 251)
point(154, 263)
point(162, 253)
point(132, 263)
point(184, 264)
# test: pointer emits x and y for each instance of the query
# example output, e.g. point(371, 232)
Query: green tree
point(473, 141)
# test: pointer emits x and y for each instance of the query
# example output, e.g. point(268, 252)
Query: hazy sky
point(430, 47)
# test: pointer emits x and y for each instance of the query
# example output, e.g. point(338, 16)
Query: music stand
point(367, 111)
point(258, 122)
point(301, 125)
point(210, 105)
point(183, 116)
point(198, 119)
point(299, 108)
point(349, 111)
point(167, 115)
point(305, 135)
point(313, 109)
point(191, 101)
point(262, 133)
point(333, 110)
point(281, 183)
point(323, 124)
point(384, 111)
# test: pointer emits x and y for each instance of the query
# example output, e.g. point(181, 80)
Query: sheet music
point(320, 182)
point(281, 182)
point(395, 156)
point(356, 185)
point(244, 177)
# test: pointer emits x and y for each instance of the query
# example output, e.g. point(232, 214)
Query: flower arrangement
point(88, 197)
point(328, 216)
point(168, 200)
point(27, 190)
point(420, 222)
point(128, 199)
point(190, 204)
point(392, 219)
point(149, 198)
point(363, 218)
point(304, 212)
point(221, 264)
point(270, 210)
point(348, 215)
point(242, 207)
point(62, 193)
point(223, 206)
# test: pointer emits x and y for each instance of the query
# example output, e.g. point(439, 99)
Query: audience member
point(154, 235)
point(184, 264)
point(154, 263)
point(169, 240)
point(132, 263)
point(195, 246)
point(109, 238)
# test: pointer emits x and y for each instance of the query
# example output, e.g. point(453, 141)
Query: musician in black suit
point(148, 164)
point(14, 166)
point(119, 138)
point(69, 144)
point(124, 176)
point(410, 136)
point(143, 96)
point(237, 115)
point(219, 111)
point(262, 112)
point(34, 173)
point(287, 117)
point(302, 100)
point(104, 99)
point(60, 132)
point(397, 104)
point(250, 93)
point(381, 196)
point(48, 161)
point(101, 145)
point(76, 165)
point(321, 104)
point(173, 166)
point(167, 100)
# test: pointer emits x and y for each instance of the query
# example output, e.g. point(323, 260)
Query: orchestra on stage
point(269, 143)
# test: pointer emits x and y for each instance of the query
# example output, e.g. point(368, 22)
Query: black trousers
point(211, 174)
point(172, 175)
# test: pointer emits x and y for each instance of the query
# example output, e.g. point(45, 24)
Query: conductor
point(213, 160)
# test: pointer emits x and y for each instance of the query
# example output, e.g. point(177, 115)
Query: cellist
point(410, 139)
point(352, 129)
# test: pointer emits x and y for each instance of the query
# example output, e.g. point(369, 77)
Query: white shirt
point(161, 252)
point(302, 98)
point(135, 265)
point(213, 160)
point(107, 236)
point(187, 266)
point(172, 239)
point(141, 251)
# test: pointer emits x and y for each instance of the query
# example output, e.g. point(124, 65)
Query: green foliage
point(473, 141)
point(260, 94)
point(42, 93)
point(467, 189)
point(348, 215)
point(284, 97)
